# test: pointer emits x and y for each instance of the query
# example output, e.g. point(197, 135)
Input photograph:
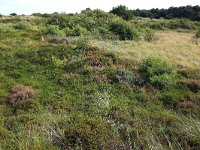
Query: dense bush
point(158, 72)
point(53, 30)
point(61, 20)
point(157, 26)
point(124, 31)
point(181, 24)
point(92, 22)
point(88, 21)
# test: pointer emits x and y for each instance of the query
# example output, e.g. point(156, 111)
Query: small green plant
point(158, 72)
point(124, 30)
point(58, 62)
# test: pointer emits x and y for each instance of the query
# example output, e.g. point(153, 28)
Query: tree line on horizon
point(187, 12)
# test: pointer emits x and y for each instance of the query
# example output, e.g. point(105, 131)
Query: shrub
point(181, 24)
point(157, 26)
point(22, 26)
point(172, 98)
point(58, 62)
point(198, 33)
point(53, 30)
point(83, 43)
point(130, 78)
point(75, 31)
point(124, 30)
point(21, 92)
point(150, 36)
point(158, 72)
point(61, 20)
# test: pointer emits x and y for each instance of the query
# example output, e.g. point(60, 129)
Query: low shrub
point(53, 30)
point(181, 24)
point(75, 31)
point(157, 26)
point(5, 29)
point(124, 31)
point(131, 78)
point(21, 26)
point(58, 62)
point(150, 36)
point(61, 20)
point(158, 72)
point(193, 85)
point(172, 98)
point(21, 92)
point(82, 43)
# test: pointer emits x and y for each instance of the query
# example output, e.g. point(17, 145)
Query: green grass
point(92, 94)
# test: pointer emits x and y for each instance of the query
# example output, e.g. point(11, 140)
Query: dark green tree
point(13, 14)
point(123, 12)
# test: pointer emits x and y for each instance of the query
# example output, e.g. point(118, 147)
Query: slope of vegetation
point(76, 82)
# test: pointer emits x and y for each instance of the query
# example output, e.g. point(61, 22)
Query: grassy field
point(179, 48)
point(78, 92)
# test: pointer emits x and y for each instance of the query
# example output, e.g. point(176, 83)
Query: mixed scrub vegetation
point(99, 80)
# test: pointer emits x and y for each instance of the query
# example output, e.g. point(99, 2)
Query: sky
point(71, 6)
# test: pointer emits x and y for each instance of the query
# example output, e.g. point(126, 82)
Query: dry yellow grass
point(176, 47)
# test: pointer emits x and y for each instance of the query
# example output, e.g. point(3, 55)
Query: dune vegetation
point(96, 81)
